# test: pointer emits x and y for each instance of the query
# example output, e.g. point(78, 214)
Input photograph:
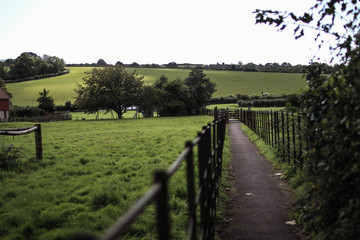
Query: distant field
point(227, 82)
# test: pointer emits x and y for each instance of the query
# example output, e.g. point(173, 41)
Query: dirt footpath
point(260, 203)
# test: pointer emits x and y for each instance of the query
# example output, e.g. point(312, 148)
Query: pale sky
point(151, 31)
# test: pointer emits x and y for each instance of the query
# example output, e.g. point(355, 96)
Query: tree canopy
point(28, 65)
point(336, 18)
point(109, 88)
point(201, 88)
point(46, 102)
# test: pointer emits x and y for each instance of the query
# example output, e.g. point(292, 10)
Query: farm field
point(91, 173)
point(228, 82)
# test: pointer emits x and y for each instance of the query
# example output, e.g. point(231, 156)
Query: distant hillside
point(228, 83)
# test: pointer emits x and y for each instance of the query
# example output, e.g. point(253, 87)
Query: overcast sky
point(151, 31)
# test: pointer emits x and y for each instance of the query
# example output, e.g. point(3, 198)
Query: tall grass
point(91, 173)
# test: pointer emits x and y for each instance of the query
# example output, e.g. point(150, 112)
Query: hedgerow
point(331, 207)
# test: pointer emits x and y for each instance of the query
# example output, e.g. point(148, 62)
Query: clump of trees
point(329, 206)
point(29, 65)
point(110, 88)
point(114, 88)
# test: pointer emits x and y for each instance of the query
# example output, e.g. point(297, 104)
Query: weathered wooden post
point(162, 206)
point(38, 142)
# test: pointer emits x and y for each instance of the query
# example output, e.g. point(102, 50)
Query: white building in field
point(4, 106)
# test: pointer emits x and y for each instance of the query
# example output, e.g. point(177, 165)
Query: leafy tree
point(25, 66)
point(101, 62)
point(336, 18)
point(118, 63)
point(171, 65)
point(135, 65)
point(46, 102)
point(149, 100)
point(110, 88)
point(175, 97)
point(201, 88)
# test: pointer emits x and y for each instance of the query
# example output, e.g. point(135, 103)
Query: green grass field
point(228, 82)
point(91, 173)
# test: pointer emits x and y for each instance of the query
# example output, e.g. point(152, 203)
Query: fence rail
point(209, 143)
point(22, 131)
point(281, 130)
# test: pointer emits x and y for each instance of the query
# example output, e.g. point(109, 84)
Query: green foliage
point(110, 88)
point(328, 18)
point(149, 99)
point(201, 88)
point(46, 102)
point(330, 198)
point(332, 105)
point(9, 157)
point(28, 65)
point(175, 98)
point(184, 97)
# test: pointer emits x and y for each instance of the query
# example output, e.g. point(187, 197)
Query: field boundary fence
point(280, 130)
point(201, 200)
point(22, 131)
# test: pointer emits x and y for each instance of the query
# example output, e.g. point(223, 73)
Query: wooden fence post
point(38, 142)
point(162, 206)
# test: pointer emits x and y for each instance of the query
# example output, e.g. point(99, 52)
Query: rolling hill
point(228, 83)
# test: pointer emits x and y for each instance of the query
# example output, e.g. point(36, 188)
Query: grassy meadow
point(227, 82)
point(91, 173)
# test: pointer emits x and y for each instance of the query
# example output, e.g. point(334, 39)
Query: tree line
point(249, 67)
point(29, 65)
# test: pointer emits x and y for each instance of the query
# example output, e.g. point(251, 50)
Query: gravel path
point(260, 202)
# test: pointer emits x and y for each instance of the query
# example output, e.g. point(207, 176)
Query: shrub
point(330, 208)
point(9, 157)
point(17, 111)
